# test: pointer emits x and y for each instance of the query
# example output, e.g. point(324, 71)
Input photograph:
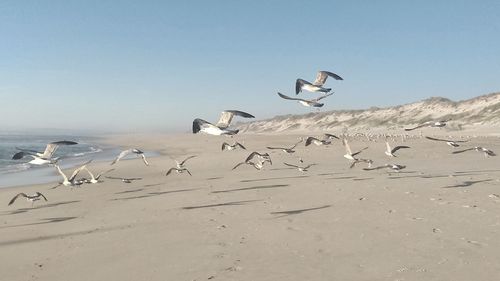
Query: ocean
point(19, 172)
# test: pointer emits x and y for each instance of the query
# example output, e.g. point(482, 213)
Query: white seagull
point(71, 180)
point(30, 198)
point(125, 180)
point(390, 151)
point(349, 155)
point(288, 150)
point(317, 86)
point(221, 128)
point(45, 157)
point(307, 103)
point(136, 151)
point(394, 167)
point(95, 179)
point(453, 143)
point(180, 165)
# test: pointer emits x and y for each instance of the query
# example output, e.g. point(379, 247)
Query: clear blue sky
point(157, 65)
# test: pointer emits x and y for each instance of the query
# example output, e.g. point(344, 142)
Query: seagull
point(127, 152)
point(227, 146)
point(125, 180)
point(262, 157)
point(331, 137)
point(317, 142)
point(390, 152)
point(71, 180)
point(41, 158)
point(367, 161)
point(178, 170)
point(288, 150)
point(349, 155)
point(435, 124)
point(453, 143)
point(180, 165)
point(95, 179)
point(257, 165)
point(221, 128)
point(487, 152)
point(37, 196)
point(308, 103)
point(317, 86)
point(302, 169)
point(394, 167)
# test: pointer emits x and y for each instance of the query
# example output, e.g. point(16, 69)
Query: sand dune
point(436, 220)
point(478, 114)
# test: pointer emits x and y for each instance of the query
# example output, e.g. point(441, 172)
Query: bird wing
point(133, 179)
point(331, 136)
point(103, 173)
point(227, 116)
point(90, 173)
point(388, 146)
point(322, 97)
point(240, 145)
point(43, 196)
point(323, 75)
point(290, 98)
point(188, 172)
point(358, 152)
point(114, 178)
point(121, 155)
point(309, 140)
point(15, 197)
point(298, 85)
point(184, 161)
point(291, 165)
point(61, 172)
point(308, 166)
point(347, 146)
point(252, 155)
point(272, 147)
point(398, 148)
point(375, 168)
point(144, 159)
point(21, 155)
point(295, 145)
point(239, 164)
point(78, 170)
point(419, 126)
point(224, 146)
point(51, 148)
point(436, 139)
point(170, 171)
point(463, 150)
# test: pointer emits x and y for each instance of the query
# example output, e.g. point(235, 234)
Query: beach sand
point(439, 219)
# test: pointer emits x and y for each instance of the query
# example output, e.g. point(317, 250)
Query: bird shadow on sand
point(154, 184)
point(297, 212)
point(341, 178)
point(362, 179)
point(280, 169)
point(478, 171)
point(251, 188)
point(43, 221)
point(330, 174)
point(56, 236)
point(152, 194)
point(24, 210)
point(277, 178)
point(233, 203)
point(214, 178)
point(130, 191)
point(467, 183)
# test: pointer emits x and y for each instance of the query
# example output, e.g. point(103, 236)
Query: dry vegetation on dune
point(482, 111)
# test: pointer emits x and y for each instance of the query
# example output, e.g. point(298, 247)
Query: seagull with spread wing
point(394, 167)
point(30, 198)
point(453, 143)
point(390, 151)
point(135, 151)
point(300, 168)
point(221, 128)
point(434, 124)
point(229, 147)
point(95, 179)
point(288, 150)
point(41, 158)
point(317, 85)
point(485, 151)
point(71, 181)
point(178, 170)
point(349, 154)
point(308, 103)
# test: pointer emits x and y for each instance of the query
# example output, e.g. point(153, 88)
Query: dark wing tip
point(64, 142)
point(18, 156)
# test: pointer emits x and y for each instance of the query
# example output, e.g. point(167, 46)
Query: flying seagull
point(487, 152)
point(125, 180)
point(178, 170)
point(221, 128)
point(308, 103)
point(436, 124)
point(317, 85)
point(300, 168)
point(37, 196)
point(390, 151)
point(95, 179)
point(317, 142)
point(136, 151)
point(367, 161)
point(257, 164)
point(180, 165)
point(71, 181)
point(45, 157)
point(229, 147)
point(394, 167)
point(349, 154)
point(261, 157)
point(288, 150)
point(453, 143)
point(331, 137)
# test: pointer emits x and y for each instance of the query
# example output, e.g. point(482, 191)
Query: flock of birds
point(255, 159)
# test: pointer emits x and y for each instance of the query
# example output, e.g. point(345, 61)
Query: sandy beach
point(438, 219)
